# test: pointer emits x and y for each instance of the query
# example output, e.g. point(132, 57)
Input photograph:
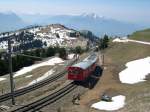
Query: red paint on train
point(81, 71)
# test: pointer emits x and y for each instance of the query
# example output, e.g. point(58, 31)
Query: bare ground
point(137, 95)
point(44, 91)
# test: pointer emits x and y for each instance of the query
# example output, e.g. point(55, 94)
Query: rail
point(37, 105)
point(38, 85)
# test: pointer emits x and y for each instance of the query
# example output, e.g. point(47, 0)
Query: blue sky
point(126, 10)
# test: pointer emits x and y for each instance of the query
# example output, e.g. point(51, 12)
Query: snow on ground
point(42, 77)
point(130, 40)
point(28, 76)
point(34, 30)
point(120, 40)
point(3, 45)
point(136, 71)
point(71, 56)
point(141, 42)
point(49, 34)
point(117, 103)
point(61, 64)
point(52, 61)
point(2, 79)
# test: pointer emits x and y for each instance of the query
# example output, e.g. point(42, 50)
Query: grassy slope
point(143, 35)
point(1, 50)
point(138, 95)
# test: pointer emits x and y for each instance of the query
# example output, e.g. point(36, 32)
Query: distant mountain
point(10, 21)
point(34, 18)
point(96, 24)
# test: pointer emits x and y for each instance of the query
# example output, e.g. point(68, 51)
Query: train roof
point(86, 62)
point(82, 64)
point(92, 57)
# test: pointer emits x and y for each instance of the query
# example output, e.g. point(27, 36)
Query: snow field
point(52, 61)
point(120, 40)
point(117, 103)
point(130, 40)
point(46, 75)
point(136, 71)
point(71, 56)
point(2, 79)
point(28, 76)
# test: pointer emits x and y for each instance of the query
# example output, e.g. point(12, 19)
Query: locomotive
point(82, 70)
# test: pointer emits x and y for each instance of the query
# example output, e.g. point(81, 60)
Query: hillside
point(45, 36)
point(143, 35)
point(117, 56)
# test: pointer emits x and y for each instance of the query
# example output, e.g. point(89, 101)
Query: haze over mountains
point(10, 21)
point(98, 25)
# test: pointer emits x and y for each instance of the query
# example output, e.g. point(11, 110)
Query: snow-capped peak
point(91, 15)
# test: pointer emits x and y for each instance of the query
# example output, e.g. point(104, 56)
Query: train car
point(82, 70)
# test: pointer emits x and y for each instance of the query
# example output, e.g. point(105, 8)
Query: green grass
point(1, 50)
point(143, 35)
point(124, 52)
point(137, 95)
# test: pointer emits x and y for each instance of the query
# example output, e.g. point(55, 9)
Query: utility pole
point(103, 59)
point(10, 71)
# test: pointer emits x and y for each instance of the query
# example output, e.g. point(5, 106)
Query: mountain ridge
point(100, 25)
point(10, 22)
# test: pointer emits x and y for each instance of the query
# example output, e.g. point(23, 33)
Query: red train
point(82, 70)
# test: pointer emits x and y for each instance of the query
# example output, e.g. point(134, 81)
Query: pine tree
point(103, 42)
point(78, 50)
point(62, 53)
point(50, 52)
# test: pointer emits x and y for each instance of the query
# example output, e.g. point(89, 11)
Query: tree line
point(19, 61)
point(103, 42)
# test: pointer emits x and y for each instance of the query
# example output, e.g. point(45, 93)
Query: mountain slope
point(143, 35)
point(92, 22)
point(10, 21)
point(45, 36)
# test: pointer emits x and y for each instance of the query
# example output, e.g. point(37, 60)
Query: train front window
point(74, 72)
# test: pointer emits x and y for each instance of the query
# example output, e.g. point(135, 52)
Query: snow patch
point(61, 64)
point(42, 77)
point(3, 45)
point(29, 76)
point(140, 42)
point(117, 103)
point(71, 56)
point(136, 71)
point(52, 61)
point(130, 40)
point(49, 35)
point(2, 79)
point(120, 40)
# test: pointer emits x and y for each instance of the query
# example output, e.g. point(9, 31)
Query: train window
point(69, 71)
point(75, 72)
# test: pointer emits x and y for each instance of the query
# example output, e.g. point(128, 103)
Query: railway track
point(37, 105)
point(38, 85)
